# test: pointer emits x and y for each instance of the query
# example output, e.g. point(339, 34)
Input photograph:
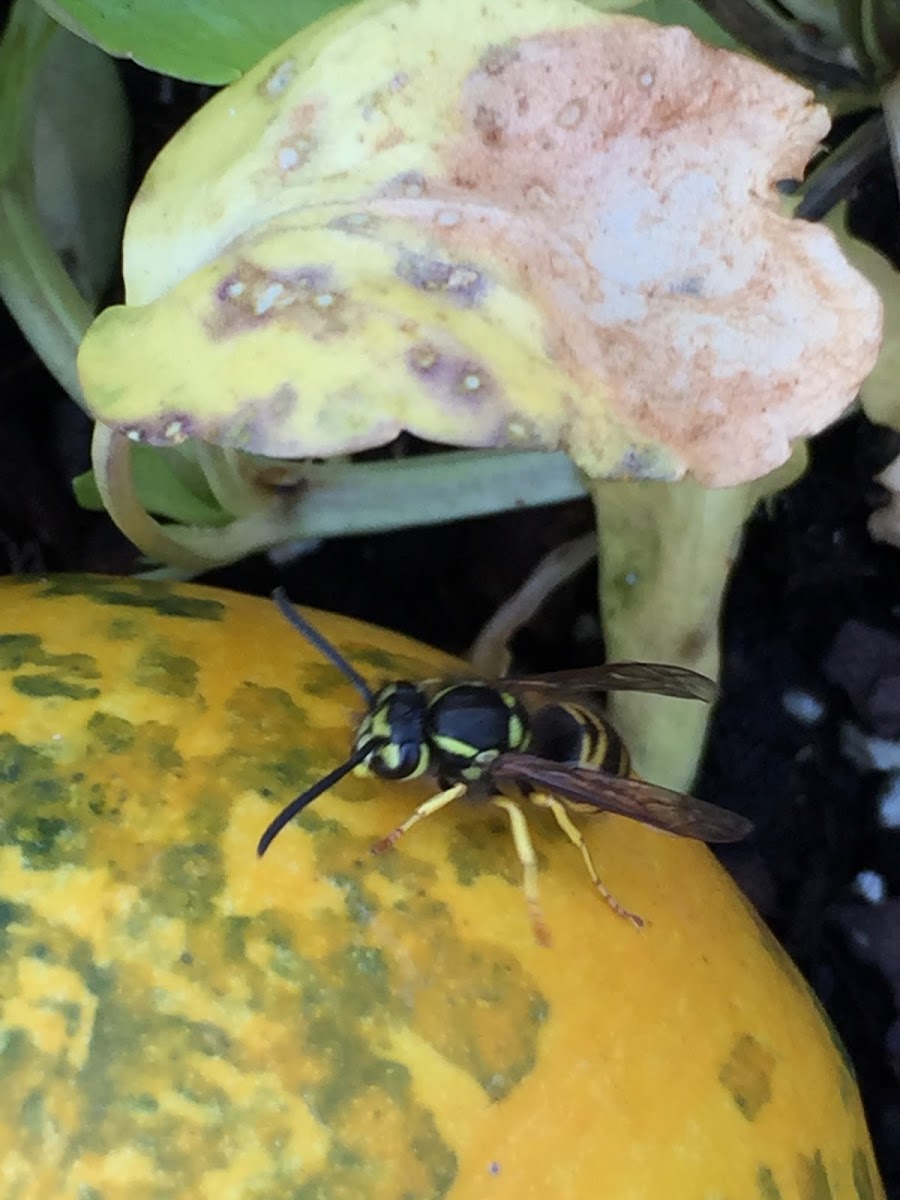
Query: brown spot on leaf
point(489, 123)
point(409, 185)
point(249, 298)
point(293, 153)
point(360, 224)
point(451, 378)
point(277, 80)
point(461, 282)
point(572, 113)
point(496, 59)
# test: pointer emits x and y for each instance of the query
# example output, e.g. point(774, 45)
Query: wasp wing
point(663, 679)
point(589, 789)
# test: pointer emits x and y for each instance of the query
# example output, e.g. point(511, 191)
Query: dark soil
point(808, 567)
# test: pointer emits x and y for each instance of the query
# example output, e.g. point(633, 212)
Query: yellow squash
point(180, 1019)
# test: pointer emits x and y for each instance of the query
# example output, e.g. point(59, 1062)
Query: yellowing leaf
point(531, 225)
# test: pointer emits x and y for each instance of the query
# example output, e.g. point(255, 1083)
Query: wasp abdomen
point(576, 734)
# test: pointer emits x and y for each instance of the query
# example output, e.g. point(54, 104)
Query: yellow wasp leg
point(528, 859)
point(425, 809)
point(564, 821)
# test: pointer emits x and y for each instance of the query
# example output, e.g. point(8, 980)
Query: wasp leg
point(528, 859)
point(564, 821)
point(425, 809)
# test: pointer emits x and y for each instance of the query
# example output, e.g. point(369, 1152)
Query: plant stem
point(336, 499)
point(666, 552)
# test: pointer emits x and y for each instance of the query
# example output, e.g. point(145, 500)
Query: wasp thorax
point(470, 724)
point(394, 727)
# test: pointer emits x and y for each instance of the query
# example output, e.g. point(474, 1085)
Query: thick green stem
point(331, 499)
point(666, 551)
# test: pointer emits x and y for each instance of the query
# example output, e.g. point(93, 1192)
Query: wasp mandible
point(498, 742)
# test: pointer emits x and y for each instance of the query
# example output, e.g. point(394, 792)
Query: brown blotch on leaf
point(359, 224)
point(451, 378)
point(496, 59)
point(489, 124)
point(461, 282)
point(250, 298)
point(647, 163)
point(572, 113)
point(410, 185)
point(168, 429)
point(277, 80)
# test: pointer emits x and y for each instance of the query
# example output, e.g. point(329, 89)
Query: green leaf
point(686, 12)
point(81, 157)
point(64, 141)
point(208, 41)
point(873, 29)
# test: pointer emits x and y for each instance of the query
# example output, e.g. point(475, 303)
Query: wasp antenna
point(290, 811)
point(321, 643)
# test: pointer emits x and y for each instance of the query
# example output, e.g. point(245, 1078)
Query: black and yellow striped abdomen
point(578, 734)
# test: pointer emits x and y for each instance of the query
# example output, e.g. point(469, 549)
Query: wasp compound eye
point(399, 760)
point(393, 734)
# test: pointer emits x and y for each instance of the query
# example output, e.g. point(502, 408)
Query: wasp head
point(392, 733)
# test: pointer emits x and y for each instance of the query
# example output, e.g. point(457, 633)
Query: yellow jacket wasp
point(523, 737)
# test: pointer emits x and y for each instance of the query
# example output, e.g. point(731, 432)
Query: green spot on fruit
point(133, 1026)
point(40, 839)
point(747, 1075)
point(15, 1050)
point(48, 687)
point(156, 595)
point(71, 1013)
point(765, 1182)
point(847, 1075)
point(166, 674)
point(863, 1174)
point(34, 1117)
point(483, 848)
point(21, 764)
point(123, 629)
point(266, 742)
point(10, 914)
point(115, 734)
point(382, 663)
point(17, 649)
point(361, 904)
point(61, 677)
point(812, 1178)
point(188, 879)
point(490, 983)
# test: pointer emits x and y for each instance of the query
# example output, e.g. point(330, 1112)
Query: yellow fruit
point(181, 1019)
